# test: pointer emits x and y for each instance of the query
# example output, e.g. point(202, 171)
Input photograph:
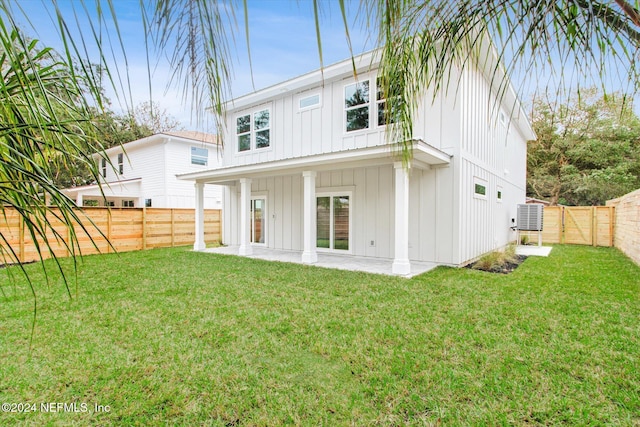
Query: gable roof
point(180, 136)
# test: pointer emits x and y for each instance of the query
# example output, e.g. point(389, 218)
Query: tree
point(587, 152)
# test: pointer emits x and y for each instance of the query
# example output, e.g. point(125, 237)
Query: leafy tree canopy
point(587, 152)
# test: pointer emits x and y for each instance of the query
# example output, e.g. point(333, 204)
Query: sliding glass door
point(333, 222)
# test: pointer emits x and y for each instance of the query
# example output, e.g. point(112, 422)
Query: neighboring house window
point(147, 203)
point(90, 203)
point(480, 188)
point(104, 167)
point(356, 104)
point(309, 101)
point(254, 130)
point(499, 194)
point(109, 203)
point(199, 156)
point(120, 163)
point(127, 203)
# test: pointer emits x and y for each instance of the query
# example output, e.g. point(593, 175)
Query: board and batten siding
point(299, 132)
point(492, 152)
point(372, 190)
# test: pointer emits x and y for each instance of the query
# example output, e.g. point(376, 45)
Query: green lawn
point(189, 338)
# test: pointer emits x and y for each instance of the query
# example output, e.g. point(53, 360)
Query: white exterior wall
point(157, 162)
point(371, 209)
point(448, 223)
point(180, 193)
point(495, 152)
point(299, 133)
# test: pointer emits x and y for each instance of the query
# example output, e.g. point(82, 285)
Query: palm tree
point(45, 113)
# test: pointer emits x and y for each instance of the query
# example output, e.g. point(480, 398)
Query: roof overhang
point(425, 156)
point(109, 189)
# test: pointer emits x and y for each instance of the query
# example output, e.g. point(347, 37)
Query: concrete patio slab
point(533, 250)
point(329, 260)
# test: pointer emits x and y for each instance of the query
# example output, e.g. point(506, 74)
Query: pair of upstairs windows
point(357, 105)
point(254, 131)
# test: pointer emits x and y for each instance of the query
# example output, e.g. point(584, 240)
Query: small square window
point(147, 203)
point(199, 156)
point(127, 203)
point(479, 188)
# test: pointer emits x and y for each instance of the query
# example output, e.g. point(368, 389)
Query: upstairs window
point(384, 116)
point(120, 163)
point(356, 104)
point(199, 156)
point(309, 102)
point(104, 167)
point(254, 130)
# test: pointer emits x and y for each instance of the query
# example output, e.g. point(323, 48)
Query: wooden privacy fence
point(627, 232)
point(128, 229)
point(578, 225)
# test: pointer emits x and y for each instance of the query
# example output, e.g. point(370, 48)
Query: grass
point(176, 337)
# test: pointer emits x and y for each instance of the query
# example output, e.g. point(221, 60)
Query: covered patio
point(328, 260)
point(238, 182)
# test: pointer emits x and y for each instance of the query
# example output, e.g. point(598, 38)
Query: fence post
point(172, 229)
point(594, 226)
point(109, 230)
point(21, 239)
point(612, 219)
point(144, 228)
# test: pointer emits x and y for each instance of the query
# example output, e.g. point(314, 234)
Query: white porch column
point(199, 244)
point(309, 255)
point(401, 264)
point(245, 217)
point(79, 200)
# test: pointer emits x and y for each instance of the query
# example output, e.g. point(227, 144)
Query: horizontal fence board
point(106, 230)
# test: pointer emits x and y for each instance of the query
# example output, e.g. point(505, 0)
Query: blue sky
point(282, 39)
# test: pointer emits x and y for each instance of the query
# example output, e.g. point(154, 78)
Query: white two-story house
point(307, 168)
point(142, 173)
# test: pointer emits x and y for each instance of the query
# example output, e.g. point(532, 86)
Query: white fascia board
point(422, 152)
point(364, 63)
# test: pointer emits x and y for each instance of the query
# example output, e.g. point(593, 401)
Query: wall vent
point(530, 217)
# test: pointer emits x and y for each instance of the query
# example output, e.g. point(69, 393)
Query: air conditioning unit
point(530, 217)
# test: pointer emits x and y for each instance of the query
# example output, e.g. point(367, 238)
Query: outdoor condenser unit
point(530, 218)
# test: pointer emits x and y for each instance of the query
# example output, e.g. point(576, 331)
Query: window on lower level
point(127, 203)
point(480, 188)
point(147, 203)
